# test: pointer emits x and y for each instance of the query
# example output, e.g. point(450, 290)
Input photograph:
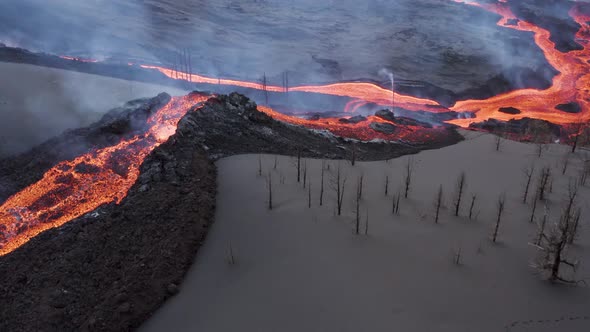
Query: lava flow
point(570, 85)
point(75, 187)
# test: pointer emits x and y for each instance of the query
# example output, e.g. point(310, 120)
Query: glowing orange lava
point(75, 187)
point(571, 85)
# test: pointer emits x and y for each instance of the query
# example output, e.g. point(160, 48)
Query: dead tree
point(438, 203)
point(358, 207)
point(264, 88)
point(459, 192)
point(386, 185)
point(500, 206)
point(528, 172)
point(259, 165)
point(566, 161)
point(339, 184)
point(322, 183)
point(408, 177)
point(534, 209)
point(304, 174)
point(309, 196)
point(576, 226)
point(472, 205)
point(298, 165)
point(498, 142)
point(541, 234)
point(542, 182)
point(579, 132)
point(361, 185)
point(395, 202)
point(276, 162)
point(269, 186)
point(554, 251)
point(457, 256)
point(353, 155)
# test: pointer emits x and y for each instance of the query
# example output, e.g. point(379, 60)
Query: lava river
point(75, 187)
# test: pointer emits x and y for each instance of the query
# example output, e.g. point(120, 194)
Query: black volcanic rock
point(509, 110)
point(512, 22)
point(385, 128)
point(411, 122)
point(385, 115)
point(520, 126)
point(353, 120)
point(572, 107)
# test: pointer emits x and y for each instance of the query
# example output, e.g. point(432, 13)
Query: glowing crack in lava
point(75, 187)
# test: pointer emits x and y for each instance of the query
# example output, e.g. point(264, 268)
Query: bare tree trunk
point(353, 155)
point(304, 174)
point(298, 165)
point(460, 186)
point(340, 186)
point(386, 185)
point(473, 198)
point(259, 165)
point(408, 179)
point(543, 182)
point(322, 184)
point(399, 195)
point(566, 162)
point(361, 185)
point(438, 203)
point(579, 133)
point(269, 183)
point(501, 200)
point(264, 88)
point(498, 142)
point(276, 162)
point(309, 197)
point(542, 229)
point(358, 208)
point(528, 172)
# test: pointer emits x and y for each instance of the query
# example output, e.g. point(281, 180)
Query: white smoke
point(387, 73)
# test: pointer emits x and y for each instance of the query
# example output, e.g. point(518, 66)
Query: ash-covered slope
point(110, 269)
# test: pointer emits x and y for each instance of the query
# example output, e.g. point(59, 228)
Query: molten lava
point(75, 187)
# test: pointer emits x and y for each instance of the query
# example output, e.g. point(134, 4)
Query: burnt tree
point(408, 176)
point(459, 192)
point(438, 203)
point(500, 206)
point(528, 172)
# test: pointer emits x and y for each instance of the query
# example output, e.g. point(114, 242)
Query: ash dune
point(37, 103)
point(303, 269)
